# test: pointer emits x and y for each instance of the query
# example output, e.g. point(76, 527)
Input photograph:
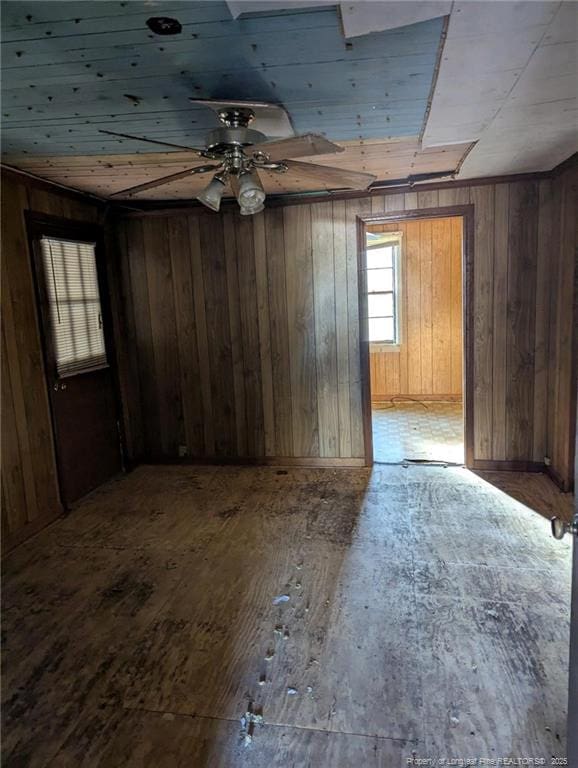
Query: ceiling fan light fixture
point(251, 210)
point(212, 194)
point(250, 193)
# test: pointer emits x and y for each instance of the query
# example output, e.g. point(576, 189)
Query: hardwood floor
point(427, 614)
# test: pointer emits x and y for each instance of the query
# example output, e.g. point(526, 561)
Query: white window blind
point(74, 305)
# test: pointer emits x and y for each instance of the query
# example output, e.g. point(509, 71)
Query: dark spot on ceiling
point(164, 25)
point(134, 99)
point(349, 46)
point(29, 18)
point(19, 53)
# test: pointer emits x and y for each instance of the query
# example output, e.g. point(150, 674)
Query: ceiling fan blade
point(297, 146)
point(338, 177)
point(165, 180)
point(151, 141)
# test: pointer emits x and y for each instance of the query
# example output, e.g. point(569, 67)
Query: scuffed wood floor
point(427, 615)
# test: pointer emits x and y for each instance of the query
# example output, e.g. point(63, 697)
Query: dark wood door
point(75, 322)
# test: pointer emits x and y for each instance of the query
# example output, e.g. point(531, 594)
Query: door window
point(74, 309)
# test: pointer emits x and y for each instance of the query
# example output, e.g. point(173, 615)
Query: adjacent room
point(289, 383)
point(414, 294)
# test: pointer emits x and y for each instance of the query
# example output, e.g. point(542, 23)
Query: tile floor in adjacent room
point(418, 431)
point(367, 615)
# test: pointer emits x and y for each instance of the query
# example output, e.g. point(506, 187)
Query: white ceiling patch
point(508, 81)
point(362, 18)
point(488, 46)
point(359, 18)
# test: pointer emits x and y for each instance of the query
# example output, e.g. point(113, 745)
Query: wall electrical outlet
point(183, 451)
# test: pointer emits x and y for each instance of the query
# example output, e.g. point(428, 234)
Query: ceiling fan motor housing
point(222, 139)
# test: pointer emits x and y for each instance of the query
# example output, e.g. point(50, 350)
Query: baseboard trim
point(488, 465)
point(563, 484)
point(261, 461)
point(419, 398)
point(12, 540)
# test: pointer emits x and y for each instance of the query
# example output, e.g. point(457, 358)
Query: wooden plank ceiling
point(74, 68)
point(105, 175)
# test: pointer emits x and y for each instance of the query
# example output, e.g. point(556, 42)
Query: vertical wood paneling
point(426, 324)
point(300, 310)
point(166, 369)
point(542, 320)
point(118, 275)
point(563, 323)
point(218, 333)
point(354, 208)
point(393, 203)
point(296, 285)
point(456, 305)
point(233, 300)
point(279, 332)
point(186, 330)
point(522, 242)
point(412, 301)
point(341, 325)
point(204, 373)
point(500, 307)
point(261, 285)
point(483, 200)
point(441, 304)
point(325, 330)
point(249, 313)
point(456, 196)
point(143, 334)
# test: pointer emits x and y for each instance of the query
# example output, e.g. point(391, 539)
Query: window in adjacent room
point(73, 300)
point(383, 259)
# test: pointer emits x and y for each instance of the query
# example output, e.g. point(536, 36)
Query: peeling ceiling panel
point(488, 46)
point(359, 18)
point(536, 127)
point(363, 18)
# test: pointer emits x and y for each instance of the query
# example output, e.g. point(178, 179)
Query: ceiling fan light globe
point(212, 194)
point(250, 193)
point(251, 210)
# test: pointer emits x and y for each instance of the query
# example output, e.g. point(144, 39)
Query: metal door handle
point(560, 528)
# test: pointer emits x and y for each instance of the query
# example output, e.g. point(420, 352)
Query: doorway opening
point(412, 303)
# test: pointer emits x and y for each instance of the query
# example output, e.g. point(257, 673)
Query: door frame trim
point(466, 213)
point(38, 224)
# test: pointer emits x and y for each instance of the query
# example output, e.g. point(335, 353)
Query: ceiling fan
point(240, 152)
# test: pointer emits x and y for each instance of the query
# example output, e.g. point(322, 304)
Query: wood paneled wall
point(428, 360)
point(561, 197)
point(245, 332)
point(240, 337)
point(30, 497)
point(242, 331)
